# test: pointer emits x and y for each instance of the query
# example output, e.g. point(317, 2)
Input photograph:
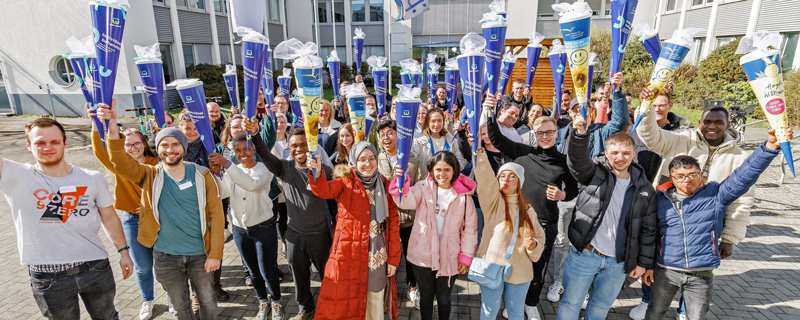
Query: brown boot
point(221, 295)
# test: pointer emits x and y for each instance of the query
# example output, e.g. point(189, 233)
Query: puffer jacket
point(343, 294)
point(460, 230)
point(413, 171)
point(597, 182)
point(688, 239)
point(716, 166)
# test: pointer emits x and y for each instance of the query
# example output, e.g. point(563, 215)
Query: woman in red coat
point(359, 276)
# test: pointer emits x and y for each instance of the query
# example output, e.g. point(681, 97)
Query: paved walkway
point(758, 282)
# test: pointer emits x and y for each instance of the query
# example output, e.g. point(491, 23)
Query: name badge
point(67, 189)
point(185, 185)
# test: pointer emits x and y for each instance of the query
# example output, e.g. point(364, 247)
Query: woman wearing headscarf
point(359, 276)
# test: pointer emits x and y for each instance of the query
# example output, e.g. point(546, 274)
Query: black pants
point(430, 286)
point(303, 249)
point(279, 211)
point(58, 295)
point(540, 267)
point(405, 235)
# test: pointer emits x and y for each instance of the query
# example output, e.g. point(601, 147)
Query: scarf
point(373, 183)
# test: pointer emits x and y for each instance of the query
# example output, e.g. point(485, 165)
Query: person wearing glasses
point(387, 161)
point(127, 197)
point(691, 215)
point(547, 181)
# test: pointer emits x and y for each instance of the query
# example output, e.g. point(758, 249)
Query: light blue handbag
point(492, 275)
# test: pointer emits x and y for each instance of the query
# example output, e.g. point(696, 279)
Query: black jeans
point(405, 235)
point(303, 249)
point(430, 286)
point(57, 294)
point(174, 273)
point(258, 246)
point(697, 288)
point(279, 211)
point(540, 267)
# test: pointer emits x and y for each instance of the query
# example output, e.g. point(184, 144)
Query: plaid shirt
point(53, 268)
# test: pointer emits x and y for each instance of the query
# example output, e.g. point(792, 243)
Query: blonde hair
point(544, 119)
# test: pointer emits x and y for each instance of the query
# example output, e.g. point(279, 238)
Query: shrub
point(792, 86)
point(722, 67)
point(213, 83)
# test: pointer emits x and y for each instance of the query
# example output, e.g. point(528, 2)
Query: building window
point(375, 51)
point(340, 50)
point(338, 10)
point(789, 49)
point(721, 41)
point(166, 59)
point(188, 58)
point(197, 4)
point(180, 2)
point(671, 5)
point(274, 13)
point(376, 10)
point(359, 10)
point(322, 11)
point(61, 71)
point(595, 5)
point(545, 8)
point(219, 6)
point(696, 55)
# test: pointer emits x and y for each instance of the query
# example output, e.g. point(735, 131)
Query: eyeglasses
point(136, 145)
point(683, 177)
point(549, 133)
point(389, 135)
point(508, 177)
point(660, 106)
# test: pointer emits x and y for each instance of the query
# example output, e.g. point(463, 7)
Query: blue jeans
point(258, 246)
point(142, 256)
point(514, 296)
point(646, 299)
point(584, 270)
point(57, 294)
point(174, 273)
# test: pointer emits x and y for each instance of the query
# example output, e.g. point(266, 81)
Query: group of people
point(664, 204)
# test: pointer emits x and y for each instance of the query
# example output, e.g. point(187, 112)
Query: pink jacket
point(460, 230)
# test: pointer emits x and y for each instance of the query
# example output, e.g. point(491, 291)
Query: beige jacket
point(496, 237)
point(716, 166)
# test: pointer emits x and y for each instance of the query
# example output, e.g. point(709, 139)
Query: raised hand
point(398, 171)
point(249, 125)
point(617, 80)
point(772, 140)
point(646, 94)
point(314, 163)
point(578, 122)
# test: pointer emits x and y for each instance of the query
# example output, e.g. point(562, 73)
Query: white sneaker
point(555, 291)
point(639, 311)
point(532, 312)
point(505, 313)
point(585, 302)
point(681, 316)
point(147, 310)
point(414, 297)
point(228, 234)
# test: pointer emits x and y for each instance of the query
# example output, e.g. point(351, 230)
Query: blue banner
point(471, 69)
point(253, 65)
point(622, 13)
point(109, 23)
point(495, 45)
point(406, 124)
point(267, 85)
point(232, 84)
point(194, 98)
point(533, 62)
point(451, 78)
point(334, 70)
point(379, 76)
point(558, 66)
point(284, 85)
point(653, 47)
point(505, 76)
point(358, 48)
point(297, 113)
point(433, 81)
point(412, 78)
point(152, 74)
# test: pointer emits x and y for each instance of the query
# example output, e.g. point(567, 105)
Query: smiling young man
point(180, 216)
point(717, 153)
point(613, 230)
point(57, 210)
point(519, 96)
point(308, 237)
point(506, 117)
point(690, 220)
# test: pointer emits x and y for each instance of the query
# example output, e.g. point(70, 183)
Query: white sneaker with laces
point(505, 313)
point(532, 313)
point(147, 310)
point(681, 316)
point(639, 311)
point(414, 297)
point(555, 291)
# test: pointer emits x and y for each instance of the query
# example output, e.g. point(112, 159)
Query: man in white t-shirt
point(57, 210)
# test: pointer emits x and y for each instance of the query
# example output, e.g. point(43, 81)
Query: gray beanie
point(172, 132)
point(516, 169)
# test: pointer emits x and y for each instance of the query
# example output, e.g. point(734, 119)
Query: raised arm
point(504, 144)
point(664, 143)
point(745, 176)
point(579, 162)
point(123, 163)
point(97, 145)
point(488, 189)
point(620, 118)
point(411, 194)
point(263, 150)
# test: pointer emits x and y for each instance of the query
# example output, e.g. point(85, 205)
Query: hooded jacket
point(688, 238)
point(716, 166)
point(635, 245)
point(460, 230)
